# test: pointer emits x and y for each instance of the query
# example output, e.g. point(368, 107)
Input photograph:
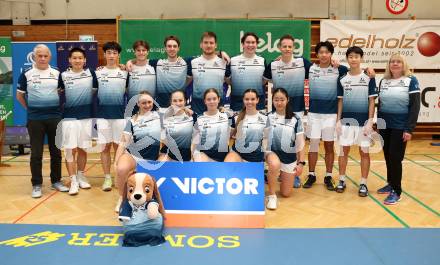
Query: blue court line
point(395, 216)
point(403, 191)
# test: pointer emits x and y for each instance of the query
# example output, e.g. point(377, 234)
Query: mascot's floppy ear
point(124, 196)
point(156, 195)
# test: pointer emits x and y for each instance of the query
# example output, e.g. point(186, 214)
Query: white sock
point(342, 177)
point(328, 174)
point(73, 178)
point(108, 176)
point(364, 181)
point(312, 173)
point(80, 173)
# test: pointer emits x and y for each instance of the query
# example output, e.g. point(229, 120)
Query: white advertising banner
point(429, 96)
point(418, 40)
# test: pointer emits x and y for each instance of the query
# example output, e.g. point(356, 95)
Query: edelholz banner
point(417, 40)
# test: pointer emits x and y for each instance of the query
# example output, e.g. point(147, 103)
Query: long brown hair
point(243, 111)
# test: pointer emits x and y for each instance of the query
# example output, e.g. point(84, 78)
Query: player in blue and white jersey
point(37, 92)
point(77, 87)
point(207, 71)
point(250, 127)
point(285, 157)
point(247, 71)
point(139, 141)
point(211, 131)
point(171, 72)
point(289, 73)
point(142, 75)
point(323, 79)
point(177, 131)
point(356, 95)
point(399, 106)
point(112, 86)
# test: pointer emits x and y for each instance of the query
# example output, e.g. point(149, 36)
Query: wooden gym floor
point(306, 208)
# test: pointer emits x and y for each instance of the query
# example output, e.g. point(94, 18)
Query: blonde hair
point(405, 71)
point(141, 93)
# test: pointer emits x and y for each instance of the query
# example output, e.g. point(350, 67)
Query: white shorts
point(351, 135)
point(110, 130)
point(76, 133)
point(288, 168)
point(321, 126)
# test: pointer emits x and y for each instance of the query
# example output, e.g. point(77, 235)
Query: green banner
point(228, 33)
point(6, 99)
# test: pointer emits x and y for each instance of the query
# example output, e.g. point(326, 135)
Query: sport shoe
point(309, 181)
point(340, 188)
point(59, 186)
point(125, 211)
point(363, 190)
point(385, 190)
point(83, 182)
point(297, 182)
point(272, 202)
point(36, 191)
point(329, 183)
point(392, 198)
point(74, 186)
point(107, 185)
point(118, 204)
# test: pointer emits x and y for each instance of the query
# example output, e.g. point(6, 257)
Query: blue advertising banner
point(211, 186)
point(64, 47)
point(23, 59)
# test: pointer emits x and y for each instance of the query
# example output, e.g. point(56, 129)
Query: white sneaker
point(83, 182)
point(107, 185)
point(74, 186)
point(118, 204)
point(36, 191)
point(272, 202)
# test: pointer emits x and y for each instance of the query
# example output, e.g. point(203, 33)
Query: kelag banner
point(6, 96)
point(64, 47)
point(417, 40)
point(228, 33)
point(195, 192)
point(23, 59)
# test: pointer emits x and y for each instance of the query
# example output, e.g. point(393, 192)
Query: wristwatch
point(301, 163)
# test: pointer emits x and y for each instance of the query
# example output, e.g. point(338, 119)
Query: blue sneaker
point(385, 190)
point(297, 182)
point(392, 198)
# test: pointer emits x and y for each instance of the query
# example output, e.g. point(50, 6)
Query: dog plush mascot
point(142, 212)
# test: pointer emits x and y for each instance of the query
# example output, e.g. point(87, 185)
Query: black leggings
point(394, 152)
